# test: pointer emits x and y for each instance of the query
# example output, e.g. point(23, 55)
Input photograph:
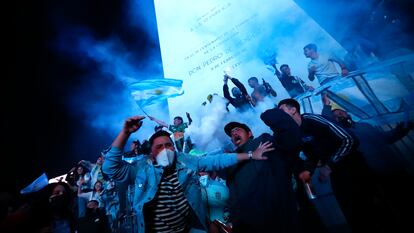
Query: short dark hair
point(180, 118)
point(235, 88)
point(311, 46)
point(158, 128)
point(157, 135)
point(51, 186)
point(284, 65)
point(253, 78)
point(69, 195)
point(291, 103)
point(233, 124)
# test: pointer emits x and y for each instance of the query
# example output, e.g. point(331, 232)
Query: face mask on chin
point(165, 158)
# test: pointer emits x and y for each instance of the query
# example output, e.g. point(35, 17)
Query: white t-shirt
point(325, 68)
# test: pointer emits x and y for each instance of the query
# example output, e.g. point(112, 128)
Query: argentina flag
point(151, 91)
point(36, 185)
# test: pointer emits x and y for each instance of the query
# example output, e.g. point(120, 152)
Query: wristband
point(250, 154)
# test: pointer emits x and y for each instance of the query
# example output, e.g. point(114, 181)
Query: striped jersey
point(169, 211)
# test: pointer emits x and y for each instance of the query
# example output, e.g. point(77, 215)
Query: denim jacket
point(147, 177)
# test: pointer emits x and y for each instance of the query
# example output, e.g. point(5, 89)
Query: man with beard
point(167, 196)
point(261, 193)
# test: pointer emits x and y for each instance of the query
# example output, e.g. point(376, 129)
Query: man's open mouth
point(237, 139)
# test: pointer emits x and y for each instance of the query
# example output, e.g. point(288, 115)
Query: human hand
point(132, 124)
point(261, 149)
point(226, 78)
point(271, 59)
point(305, 176)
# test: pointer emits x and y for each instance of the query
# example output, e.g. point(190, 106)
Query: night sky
point(43, 128)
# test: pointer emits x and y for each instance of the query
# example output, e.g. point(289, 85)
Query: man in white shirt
point(321, 66)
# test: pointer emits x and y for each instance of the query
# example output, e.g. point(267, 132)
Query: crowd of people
point(165, 184)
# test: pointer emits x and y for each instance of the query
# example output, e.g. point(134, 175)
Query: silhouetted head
point(236, 92)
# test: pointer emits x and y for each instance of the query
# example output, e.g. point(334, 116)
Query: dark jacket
point(374, 145)
point(94, 221)
point(325, 141)
point(261, 193)
point(241, 103)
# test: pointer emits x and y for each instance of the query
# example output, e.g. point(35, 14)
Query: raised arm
point(226, 92)
point(239, 85)
point(218, 161)
point(131, 125)
point(114, 166)
point(158, 121)
point(189, 118)
point(277, 72)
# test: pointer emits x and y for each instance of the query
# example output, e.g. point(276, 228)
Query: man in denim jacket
point(167, 190)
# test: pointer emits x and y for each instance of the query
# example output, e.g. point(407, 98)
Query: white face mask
point(165, 157)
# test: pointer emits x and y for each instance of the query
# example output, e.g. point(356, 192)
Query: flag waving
point(36, 185)
point(151, 91)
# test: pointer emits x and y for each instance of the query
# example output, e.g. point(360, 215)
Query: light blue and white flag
point(151, 91)
point(36, 185)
